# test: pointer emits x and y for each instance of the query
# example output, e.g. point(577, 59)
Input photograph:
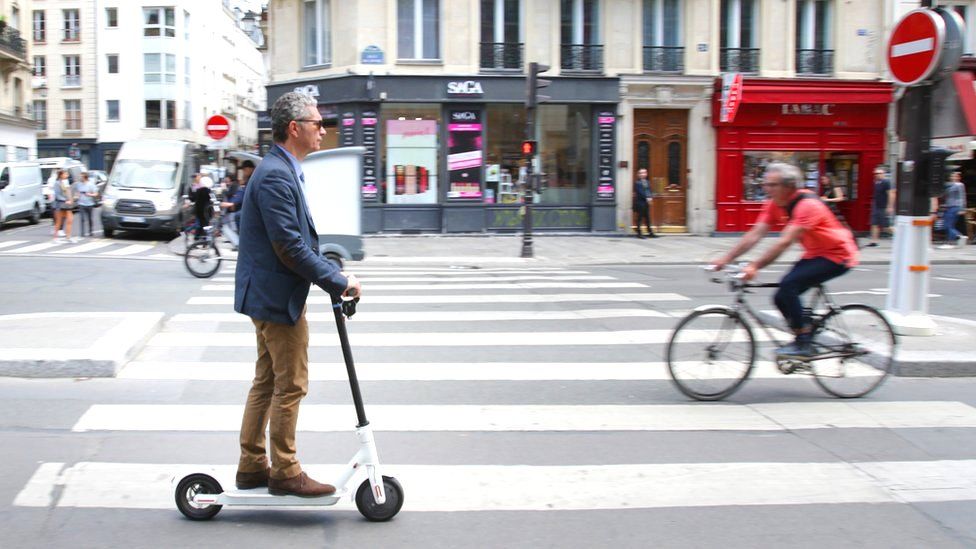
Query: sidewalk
point(589, 249)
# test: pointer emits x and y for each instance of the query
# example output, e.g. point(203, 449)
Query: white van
point(20, 192)
point(147, 187)
point(49, 174)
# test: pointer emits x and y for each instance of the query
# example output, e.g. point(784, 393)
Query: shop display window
point(410, 153)
point(564, 133)
point(754, 166)
point(503, 156)
point(841, 168)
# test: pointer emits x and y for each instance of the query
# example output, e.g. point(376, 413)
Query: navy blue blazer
point(278, 257)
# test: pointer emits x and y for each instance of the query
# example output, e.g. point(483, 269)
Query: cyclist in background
point(829, 248)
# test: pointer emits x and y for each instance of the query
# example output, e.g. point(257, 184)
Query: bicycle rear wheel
point(860, 345)
point(202, 259)
point(711, 353)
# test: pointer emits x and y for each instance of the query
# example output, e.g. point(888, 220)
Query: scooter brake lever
point(349, 307)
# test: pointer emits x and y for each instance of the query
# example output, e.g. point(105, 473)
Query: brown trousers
point(280, 382)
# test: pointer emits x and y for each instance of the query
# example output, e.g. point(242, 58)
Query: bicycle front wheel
point(711, 353)
point(202, 259)
point(858, 344)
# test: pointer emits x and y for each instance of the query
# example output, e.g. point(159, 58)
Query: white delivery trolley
point(333, 190)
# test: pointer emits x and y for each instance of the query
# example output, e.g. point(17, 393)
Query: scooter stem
point(357, 397)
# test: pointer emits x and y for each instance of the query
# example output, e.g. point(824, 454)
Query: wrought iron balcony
point(740, 60)
point(814, 61)
point(501, 55)
point(664, 58)
point(12, 46)
point(581, 57)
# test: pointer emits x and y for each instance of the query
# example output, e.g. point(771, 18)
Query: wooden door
point(661, 146)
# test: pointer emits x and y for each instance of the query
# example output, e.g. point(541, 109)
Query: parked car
point(21, 195)
point(147, 187)
point(49, 174)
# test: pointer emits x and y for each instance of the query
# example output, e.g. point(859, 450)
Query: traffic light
point(534, 84)
point(935, 170)
point(528, 148)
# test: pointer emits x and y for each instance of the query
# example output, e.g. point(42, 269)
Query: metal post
point(528, 194)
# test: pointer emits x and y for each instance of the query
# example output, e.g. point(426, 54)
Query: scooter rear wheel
point(373, 511)
point(192, 485)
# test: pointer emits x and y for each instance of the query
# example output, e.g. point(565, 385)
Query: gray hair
point(288, 107)
point(789, 175)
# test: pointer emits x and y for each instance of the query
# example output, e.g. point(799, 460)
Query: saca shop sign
point(807, 109)
point(466, 87)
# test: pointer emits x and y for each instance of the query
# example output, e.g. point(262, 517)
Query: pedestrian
point(833, 193)
point(955, 203)
point(882, 205)
point(642, 203)
point(86, 191)
point(202, 205)
point(278, 260)
point(64, 204)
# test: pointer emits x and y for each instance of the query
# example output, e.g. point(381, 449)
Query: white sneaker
point(61, 233)
point(962, 241)
point(946, 247)
point(74, 240)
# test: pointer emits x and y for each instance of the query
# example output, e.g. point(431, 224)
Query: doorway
point(661, 146)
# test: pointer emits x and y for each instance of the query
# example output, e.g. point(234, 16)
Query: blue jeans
point(806, 274)
point(950, 218)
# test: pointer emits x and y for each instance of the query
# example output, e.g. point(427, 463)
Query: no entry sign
point(915, 46)
point(217, 127)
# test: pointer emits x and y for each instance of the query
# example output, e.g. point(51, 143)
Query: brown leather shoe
point(301, 485)
point(248, 481)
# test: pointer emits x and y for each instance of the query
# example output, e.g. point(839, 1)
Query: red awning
point(762, 90)
point(966, 91)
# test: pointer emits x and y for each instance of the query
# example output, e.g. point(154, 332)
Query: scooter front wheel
point(373, 511)
point(189, 487)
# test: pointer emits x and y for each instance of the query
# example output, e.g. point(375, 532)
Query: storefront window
point(754, 166)
point(841, 168)
point(564, 135)
point(503, 157)
point(410, 150)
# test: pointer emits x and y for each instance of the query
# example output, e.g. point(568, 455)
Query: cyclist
point(830, 250)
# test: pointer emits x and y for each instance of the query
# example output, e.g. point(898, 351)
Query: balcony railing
point(581, 57)
point(71, 80)
point(501, 55)
point(664, 58)
point(740, 60)
point(12, 44)
point(814, 61)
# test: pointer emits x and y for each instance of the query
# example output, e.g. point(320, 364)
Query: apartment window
point(318, 33)
point(40, 114)
point(580, 47)
point(40, 65)
point(72, 70)
point(111, 17)
point(159, 22)
point(72, 115)
point(739, 36)
point(112, 60)
point(418, 24)
point(188, 117)
point(159, 68)
point(40, 26)
point(161, 114)
point(814, 53)
point(112, 110)
point(663, 50)
point(72, 25)
point(186, 25)
point(501, 34)
point(187, 70)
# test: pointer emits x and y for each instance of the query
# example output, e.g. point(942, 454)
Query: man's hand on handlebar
point(718, 264)
point(353, 287)
point(749, 272)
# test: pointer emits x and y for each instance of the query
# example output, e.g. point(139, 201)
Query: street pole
point(530, 150)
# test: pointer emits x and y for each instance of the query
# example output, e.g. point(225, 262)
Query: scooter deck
point(261, 497)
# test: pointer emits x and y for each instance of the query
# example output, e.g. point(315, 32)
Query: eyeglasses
point(320, 123)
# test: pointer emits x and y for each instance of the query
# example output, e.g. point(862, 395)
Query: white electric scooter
point(200, 497)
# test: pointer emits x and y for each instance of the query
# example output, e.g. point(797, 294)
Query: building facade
point(18, 140)
point(108, 71)
point(435, 91)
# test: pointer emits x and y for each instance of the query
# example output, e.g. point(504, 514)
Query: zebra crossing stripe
point(129, 250)
point(365, 275)
point(447, 488)
point(438, 316)
point(10, 243)
point(781, 416)
point(485, 286)
point(33, 248)
point(451, 260)
point(181, 339)
point(427, 371)
point(86, 247)
point(648, 297)
point(507, 278)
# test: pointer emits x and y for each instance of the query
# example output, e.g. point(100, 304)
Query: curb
point(105, 358)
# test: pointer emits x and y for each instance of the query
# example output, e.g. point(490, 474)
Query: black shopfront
point(443, 152)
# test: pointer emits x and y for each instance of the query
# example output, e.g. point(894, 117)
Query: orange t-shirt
point(824, 235)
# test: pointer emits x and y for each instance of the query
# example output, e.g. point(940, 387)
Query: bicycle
point(202, 258)
point(712, 351)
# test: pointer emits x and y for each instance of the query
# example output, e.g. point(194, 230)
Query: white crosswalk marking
point(517, 368)
point(11, 243)
point(33, 248)
point(129, 250)
point(86, 247)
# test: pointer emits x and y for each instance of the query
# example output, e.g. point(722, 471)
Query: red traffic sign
point(217, 127)
point(915, 46)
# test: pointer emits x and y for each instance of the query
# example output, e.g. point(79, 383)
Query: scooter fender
point(372, 461)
